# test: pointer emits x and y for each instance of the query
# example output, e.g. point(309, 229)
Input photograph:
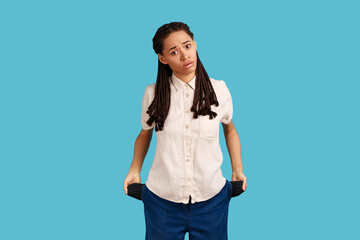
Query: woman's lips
point(189, 65)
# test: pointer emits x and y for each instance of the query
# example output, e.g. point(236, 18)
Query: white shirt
point(188, 156)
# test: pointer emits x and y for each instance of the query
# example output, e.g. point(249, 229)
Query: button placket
point(187, 139)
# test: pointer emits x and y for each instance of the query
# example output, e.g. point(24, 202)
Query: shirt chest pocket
point(209, 128)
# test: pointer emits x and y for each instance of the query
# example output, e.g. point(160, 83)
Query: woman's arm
point(142, 144)
point(234, 148)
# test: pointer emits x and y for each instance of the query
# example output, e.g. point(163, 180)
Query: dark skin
point(142, 144)
point(234, 147)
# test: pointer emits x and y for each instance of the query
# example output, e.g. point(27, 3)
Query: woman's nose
point(184, 56)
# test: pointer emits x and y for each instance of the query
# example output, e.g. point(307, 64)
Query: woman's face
point(180, 53)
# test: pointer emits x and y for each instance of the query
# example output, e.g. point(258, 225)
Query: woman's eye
point(188, 45)
point(173, 52)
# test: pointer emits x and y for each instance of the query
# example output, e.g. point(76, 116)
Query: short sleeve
point(145, 103)
point(227, 106)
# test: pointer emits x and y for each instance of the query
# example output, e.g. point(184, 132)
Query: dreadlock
point(204, 95)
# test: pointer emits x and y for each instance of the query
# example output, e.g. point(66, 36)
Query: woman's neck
point(185, 77)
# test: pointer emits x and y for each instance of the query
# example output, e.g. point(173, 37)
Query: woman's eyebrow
point(176, 46)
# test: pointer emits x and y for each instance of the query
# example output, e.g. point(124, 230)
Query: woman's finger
point(244, 185)
point(125, 188)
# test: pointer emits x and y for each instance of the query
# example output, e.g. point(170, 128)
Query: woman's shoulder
point(150, 88)
point(151, 85)
point(219, 86)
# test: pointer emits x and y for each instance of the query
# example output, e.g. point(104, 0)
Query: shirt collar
point(179, 84)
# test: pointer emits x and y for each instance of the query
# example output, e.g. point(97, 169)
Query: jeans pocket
point(135, 190)
point(237, 188)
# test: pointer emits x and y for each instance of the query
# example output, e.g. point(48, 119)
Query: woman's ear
point(162, 59)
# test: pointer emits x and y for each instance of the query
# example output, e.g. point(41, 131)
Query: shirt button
point(186, 95)
point(186, 85)
point(186, 126)
point(187, 111)
point(186, 144)
point(187, 160)
point(189, 179)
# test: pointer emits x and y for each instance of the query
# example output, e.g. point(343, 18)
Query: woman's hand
point(132, 177)
point(239, 176)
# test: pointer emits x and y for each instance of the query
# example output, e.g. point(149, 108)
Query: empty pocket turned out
point(135, 190)
point(236, 188)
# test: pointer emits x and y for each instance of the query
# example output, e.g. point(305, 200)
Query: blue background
point(73, 74)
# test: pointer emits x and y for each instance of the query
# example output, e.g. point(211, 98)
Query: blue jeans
point(207, 220)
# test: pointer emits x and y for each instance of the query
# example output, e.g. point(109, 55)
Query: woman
point(185, 190)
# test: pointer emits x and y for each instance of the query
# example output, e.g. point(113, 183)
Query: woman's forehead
point(176, 38)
